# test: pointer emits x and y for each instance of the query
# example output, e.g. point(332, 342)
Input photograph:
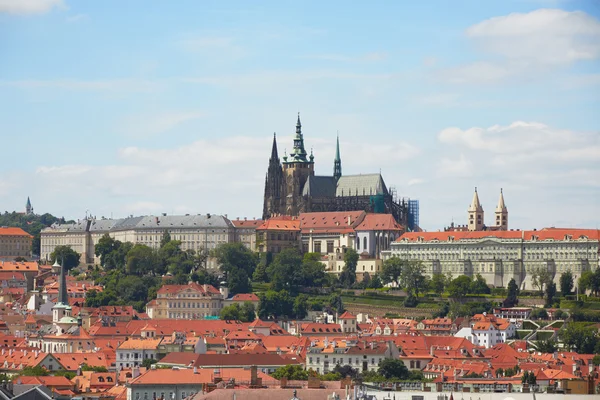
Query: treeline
point(131, 273)
point(32, 224)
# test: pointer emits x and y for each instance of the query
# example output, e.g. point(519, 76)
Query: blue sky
point(143, 107)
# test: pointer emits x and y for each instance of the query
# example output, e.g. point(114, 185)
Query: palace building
point(291, 187)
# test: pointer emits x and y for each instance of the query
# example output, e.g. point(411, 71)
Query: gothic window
point(365, 243)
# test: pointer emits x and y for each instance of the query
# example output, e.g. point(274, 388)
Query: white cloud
point(457, 168)
point(23, 7)
point(542, 36)
point(526, 45)
point(144, 125)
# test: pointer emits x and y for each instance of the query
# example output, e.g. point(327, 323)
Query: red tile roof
point(332, 221)
point(379, 222)
point(173, 289)
point(8, 276)
point(247, 223)
point(21, 266)
point(245, 297)
point(281, 223)
point(187, 376)
point(347, 315)
point(11, 231)
point(543, 234)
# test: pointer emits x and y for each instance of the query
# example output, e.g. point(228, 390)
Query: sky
point(115, 108)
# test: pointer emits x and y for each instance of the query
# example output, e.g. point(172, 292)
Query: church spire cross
point(274, 155)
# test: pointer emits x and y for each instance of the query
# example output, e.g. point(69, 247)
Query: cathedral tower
point(274, 186)
point(337, 162)
point(501, 214)
point(475, 214)
point(296, 169)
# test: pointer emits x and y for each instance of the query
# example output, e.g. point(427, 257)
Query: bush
point(411, 302)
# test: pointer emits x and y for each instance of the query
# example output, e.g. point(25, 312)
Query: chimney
point(195, 370)
point(135, 372)
point(253, 376)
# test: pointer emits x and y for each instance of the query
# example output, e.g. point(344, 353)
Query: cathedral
point(291, 186)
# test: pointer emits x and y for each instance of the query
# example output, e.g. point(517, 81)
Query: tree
point(106, 245)
point(550, 294)
point(346, 370)
point(499, 373)
point(66, 256)
point(375, 282)
point(230, 313)
point(479, 286)
point(590, 281)
point(247, 312)
point(335, 303)
point(348, 275)
point(238, 281)
point(274, 305)
point(546, 346)
point(148, 362)
point(566, 283)
point(166, 238)
point(391, 270)
point(286, 270)
point(540, 277)
point(392, 368)
point(438, 283)
point(140, 260)
point(412, 279)
point(579, 337)
point(459, 287)
point(34, 371)
point(294, 372)
point(538, 313)
point(596, 359)
point(313, 271)
point(235, 256)
point(300, 306)
point(512, 297)
point(560, 314)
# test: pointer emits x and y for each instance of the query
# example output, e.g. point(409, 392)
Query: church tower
point(274, 185)
point(501, 214)
point(475, 214)
point(337, 162)
point(296, 169)
point(28, 207)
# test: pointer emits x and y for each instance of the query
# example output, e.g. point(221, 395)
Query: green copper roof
point(298, 154)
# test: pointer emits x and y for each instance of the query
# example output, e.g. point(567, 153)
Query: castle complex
point(291, 187)
point(498, 254)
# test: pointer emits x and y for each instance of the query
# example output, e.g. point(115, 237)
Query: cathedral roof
point(319, 186)
point(361, 185)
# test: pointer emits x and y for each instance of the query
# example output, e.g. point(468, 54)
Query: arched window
point(365, 243)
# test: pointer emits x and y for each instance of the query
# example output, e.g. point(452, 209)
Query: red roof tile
point(12, 231)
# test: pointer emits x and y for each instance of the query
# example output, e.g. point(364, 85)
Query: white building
point(323, 355)
point(488, 331)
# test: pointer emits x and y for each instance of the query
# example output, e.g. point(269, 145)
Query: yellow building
point(14, 242)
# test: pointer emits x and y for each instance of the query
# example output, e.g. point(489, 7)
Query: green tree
point(546, 346)
point(247, 312)
point(232, 256)
point(132, 288)
point(538, 313)
point(512, 297)
point(479, 286)
point(335, 303)
point(540, 277)
point(294, 372)
point(231, 312)
point(300, 306)
point(141, 259)
point(238, 281)
point(579, 337)
point(596, 359)
point(286, 270)
point(412, 279)
point(566, 283)
point(459, 287)
point(391, 270)
point(313, 271)
point(34, 371)
point(148, 362)
point(66, 257)
point(348, 275)
point(499, 373)
point(550, 294)
point(105, 246)
point(275, 305)
point(166, 238)
point(438, 283)
point(391, 368)
point(375, 282)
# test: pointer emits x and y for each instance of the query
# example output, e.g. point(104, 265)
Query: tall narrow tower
point(28, 207)
point(337, 162)
point(296, 169)
point(274, 185)
point(475, 214)
point(501, 214)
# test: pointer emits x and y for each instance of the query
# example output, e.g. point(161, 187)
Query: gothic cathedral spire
point(337, 162)
point(273, 185)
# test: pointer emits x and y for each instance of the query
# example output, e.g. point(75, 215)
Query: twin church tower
point(476, 220)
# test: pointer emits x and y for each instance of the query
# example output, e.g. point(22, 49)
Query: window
point(317, 246)
point(330, 246)
point(365, 243)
